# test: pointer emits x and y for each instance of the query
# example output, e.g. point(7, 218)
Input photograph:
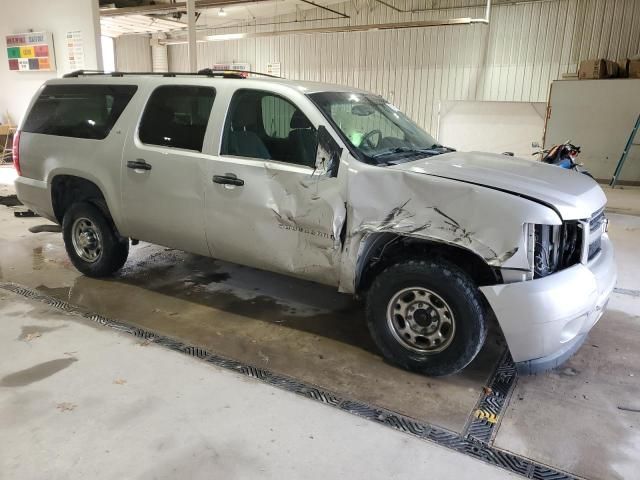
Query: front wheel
point(91, 242)
point(426, 316)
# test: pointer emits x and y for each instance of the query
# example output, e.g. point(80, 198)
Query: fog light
point(572, 328)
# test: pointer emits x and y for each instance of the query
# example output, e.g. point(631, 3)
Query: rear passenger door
point(163, 169)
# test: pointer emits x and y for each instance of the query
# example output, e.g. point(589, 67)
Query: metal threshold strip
point(475, 441)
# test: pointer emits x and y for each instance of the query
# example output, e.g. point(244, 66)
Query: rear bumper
point(546, 320)
point(35, 195)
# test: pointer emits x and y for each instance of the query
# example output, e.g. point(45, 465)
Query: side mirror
point(328, 153)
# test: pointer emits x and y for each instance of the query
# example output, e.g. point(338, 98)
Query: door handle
point(138, 164)
point(228, 179)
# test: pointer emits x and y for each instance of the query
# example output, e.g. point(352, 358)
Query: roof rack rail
point(208, 72)
point(211, 72)
point(77, 73)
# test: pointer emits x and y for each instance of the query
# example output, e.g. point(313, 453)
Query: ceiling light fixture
point(226, 36)
point(222, 13)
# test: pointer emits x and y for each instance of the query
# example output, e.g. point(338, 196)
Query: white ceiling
point(128, 24)
point(114, 26)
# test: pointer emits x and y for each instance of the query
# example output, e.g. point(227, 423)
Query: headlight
point(554, 247)
point(545, 252)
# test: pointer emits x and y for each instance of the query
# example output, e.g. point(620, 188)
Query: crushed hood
point(572, 194)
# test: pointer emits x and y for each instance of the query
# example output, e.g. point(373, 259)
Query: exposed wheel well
point(387, 249)
point(68, 189)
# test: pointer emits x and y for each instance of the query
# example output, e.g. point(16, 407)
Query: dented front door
point(275, 216)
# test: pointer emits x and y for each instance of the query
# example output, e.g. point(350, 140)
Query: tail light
point(16, 152)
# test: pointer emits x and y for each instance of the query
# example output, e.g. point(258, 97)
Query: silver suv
point(329, 184)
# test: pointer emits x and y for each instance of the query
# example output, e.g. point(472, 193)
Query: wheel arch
point(381, 250)
point(69, 189)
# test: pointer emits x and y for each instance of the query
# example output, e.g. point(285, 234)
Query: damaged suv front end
point(547, 317)
point(539, 231)
point(557, 277)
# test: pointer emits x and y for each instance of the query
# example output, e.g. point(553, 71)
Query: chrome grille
point(596, 220)
point(595, 233)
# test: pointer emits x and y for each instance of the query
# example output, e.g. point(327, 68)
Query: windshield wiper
point(438, 146)
point(431, 151)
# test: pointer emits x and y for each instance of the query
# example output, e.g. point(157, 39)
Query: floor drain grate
point(472, 444)
point(485, 418)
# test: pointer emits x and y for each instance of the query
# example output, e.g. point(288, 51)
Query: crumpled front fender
point(488, 222)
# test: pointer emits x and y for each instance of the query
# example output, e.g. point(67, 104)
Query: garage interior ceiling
point(145, 17)
point(134, 24)
point(170, 17)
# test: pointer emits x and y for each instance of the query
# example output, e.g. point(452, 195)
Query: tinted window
point(177, 116)
point(276, 116)
point(267, 126)
point(81, 111)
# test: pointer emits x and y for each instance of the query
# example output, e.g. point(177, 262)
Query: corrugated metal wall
point(526, 46)
point(133, 53)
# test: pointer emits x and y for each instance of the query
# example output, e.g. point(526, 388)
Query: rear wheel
point(426, 316)
point(92, 244)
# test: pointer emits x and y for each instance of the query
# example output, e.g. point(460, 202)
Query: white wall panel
point(133, 53)
point(58, 18)
point(494, 127)
point(526, 46)
point(604, 135)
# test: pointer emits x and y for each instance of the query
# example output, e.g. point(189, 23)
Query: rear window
point(80, 111)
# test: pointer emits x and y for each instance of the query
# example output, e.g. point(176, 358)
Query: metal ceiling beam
point(168, 8)
point(325, 8)
point(496, 3)
point(341, 29)
point(346, 28)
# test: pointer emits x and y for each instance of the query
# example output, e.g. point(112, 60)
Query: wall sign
point(231, 66)
point(75, 50)
point(273, 68)
point(30, 52)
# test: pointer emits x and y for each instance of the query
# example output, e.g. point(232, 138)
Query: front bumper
point(546, 320)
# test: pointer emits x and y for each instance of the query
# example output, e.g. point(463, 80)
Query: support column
point(191, 33)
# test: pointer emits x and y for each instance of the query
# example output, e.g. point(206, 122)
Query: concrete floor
point(568, 419)
point(80, 401)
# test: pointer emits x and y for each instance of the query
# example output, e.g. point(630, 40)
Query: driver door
point(266, 204)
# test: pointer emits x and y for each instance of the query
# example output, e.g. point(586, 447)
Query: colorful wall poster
point(30, 52)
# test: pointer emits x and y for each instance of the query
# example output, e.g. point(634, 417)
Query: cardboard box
point(612, 69)
point(598, 68)
point(623, 68)
point(590, 69)
point(633, 69)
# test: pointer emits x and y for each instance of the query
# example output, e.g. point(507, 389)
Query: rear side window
point(80, 111)
point(177, 116)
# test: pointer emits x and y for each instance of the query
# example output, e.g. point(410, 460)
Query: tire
point(401, 304)
point(104, 252)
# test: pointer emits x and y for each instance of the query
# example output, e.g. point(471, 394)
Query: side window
point(267, 126)
point(80, 111)
point(177, 116)
point(276, 116)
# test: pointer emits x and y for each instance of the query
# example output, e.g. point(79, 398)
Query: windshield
point(377, 130)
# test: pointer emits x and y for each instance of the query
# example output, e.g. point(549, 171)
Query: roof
point(215, 76)
point(312, 87)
